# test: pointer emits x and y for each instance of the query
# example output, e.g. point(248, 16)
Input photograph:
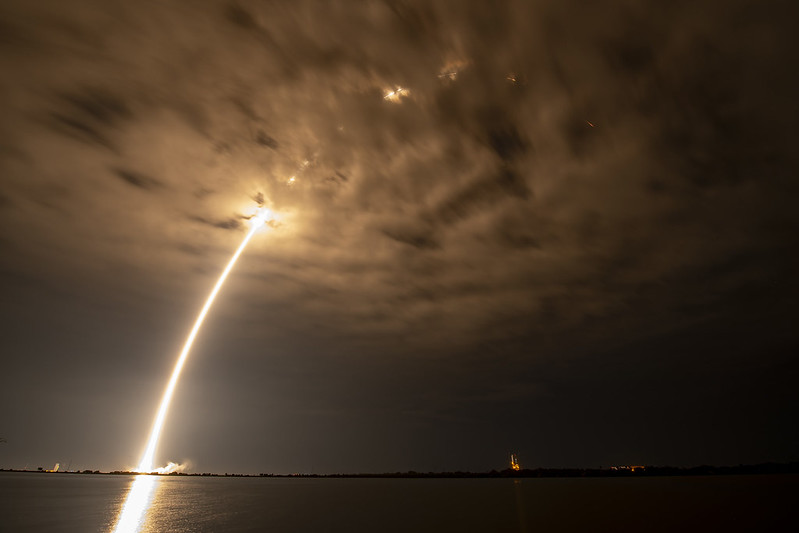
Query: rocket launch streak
point(146, 463)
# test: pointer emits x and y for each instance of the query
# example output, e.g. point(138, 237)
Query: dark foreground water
point(88, 503)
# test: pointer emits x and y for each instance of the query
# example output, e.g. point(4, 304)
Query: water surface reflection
point(521, 512)
point(134, 511)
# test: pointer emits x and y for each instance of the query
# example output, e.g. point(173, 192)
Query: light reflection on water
point(134, 511)
point(521, 513)
point(73, 503)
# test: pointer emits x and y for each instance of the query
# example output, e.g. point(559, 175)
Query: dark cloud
point(80, 130)
point(97, 105)
point(265, 140)
point(137, 179)
point(5, 201)
point(228, 224)
point(240, 17)
point(417, 237)
point(89, 115)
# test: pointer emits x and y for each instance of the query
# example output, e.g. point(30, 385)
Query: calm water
point(86, 503)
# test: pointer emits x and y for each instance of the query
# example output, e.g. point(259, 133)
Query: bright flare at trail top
point(261, 217)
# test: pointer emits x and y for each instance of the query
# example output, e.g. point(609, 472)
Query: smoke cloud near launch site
point(562, 229)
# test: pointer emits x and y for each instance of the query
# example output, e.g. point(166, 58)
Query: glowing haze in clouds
point(514, 226)
point(257, 221)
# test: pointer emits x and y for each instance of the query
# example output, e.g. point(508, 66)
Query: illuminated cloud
point(548, 179)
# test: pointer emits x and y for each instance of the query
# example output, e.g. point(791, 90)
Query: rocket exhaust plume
point(146, 463)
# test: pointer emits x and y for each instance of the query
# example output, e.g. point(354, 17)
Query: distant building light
point(631, 468)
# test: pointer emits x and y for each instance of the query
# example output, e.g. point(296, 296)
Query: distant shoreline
point(616, 471)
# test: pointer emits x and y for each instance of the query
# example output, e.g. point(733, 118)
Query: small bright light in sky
point(449, 72)
point(396, 94)
point(261, 217)
point(258, 216)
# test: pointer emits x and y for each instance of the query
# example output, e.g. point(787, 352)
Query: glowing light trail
point(146, 463)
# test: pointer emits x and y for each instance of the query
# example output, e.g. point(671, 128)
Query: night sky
point(571, 233)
